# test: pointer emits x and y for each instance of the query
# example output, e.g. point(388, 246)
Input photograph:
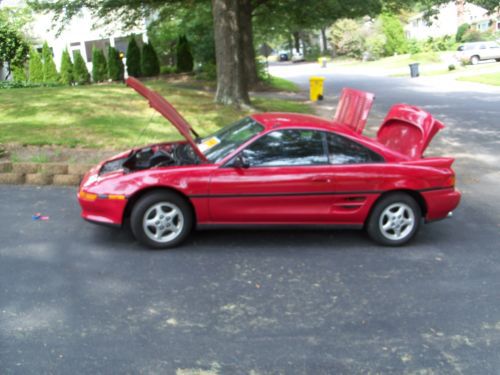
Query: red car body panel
point(319, 194)
point(353, 109)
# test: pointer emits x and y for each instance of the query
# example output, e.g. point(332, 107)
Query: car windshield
point(217, 146)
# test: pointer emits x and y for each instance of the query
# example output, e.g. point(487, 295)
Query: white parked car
point(477, 51)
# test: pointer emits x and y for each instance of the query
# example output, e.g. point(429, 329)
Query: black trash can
point(414, 72)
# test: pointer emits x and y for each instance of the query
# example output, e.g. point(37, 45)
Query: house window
point(101, 44)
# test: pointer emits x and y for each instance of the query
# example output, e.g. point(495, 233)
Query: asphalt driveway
point(78, 298)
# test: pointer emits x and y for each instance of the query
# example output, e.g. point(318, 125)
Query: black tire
point(497, 60)
point(383, 215)
point(147, 204)
point(474, 60)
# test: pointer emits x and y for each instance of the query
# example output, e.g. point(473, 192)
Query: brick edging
point(60, 174)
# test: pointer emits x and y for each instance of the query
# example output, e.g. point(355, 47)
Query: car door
point(494, 50)
point(282, 177)
point(357, 174)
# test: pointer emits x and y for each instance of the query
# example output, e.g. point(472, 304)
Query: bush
point(394, 34)
point(99, 66)
point(472, 35)
point(149, 61)
point(184, 57)
point(375, 45)
point(19, 73)
point(167, 69)
point(50, 74)
point(414, 46)
point(133, 58)
point(462, 29)
point(80, 73)
point(347, 38)
point(208, 72)
point(35, 67)
point(115, 65)
point(66, 68)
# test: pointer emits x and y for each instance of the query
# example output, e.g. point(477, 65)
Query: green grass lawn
point(489, 79)
point(282, 84)
point(112, 115)
point(394, 62)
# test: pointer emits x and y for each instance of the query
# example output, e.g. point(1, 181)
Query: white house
point(81, 34)
point(447, 22)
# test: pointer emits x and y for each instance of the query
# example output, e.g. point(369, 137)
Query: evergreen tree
point(49, 67)
point(99, 66)
point(66, 68)
point(133, 58)
point(115, 65)
point(149, 61)
point(35, 67)
point(184, 56)
point(19, 73)
point(80, 73)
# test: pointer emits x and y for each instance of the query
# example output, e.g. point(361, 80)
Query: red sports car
point(278, 169)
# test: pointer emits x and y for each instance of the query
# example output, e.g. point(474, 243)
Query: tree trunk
point(246, 30)
point(324, 40)
point(232, 85)
point(296, 40)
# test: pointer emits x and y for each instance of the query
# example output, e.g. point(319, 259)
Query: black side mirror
point(240, 162)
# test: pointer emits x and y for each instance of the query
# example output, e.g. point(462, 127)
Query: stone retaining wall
point(42, 173)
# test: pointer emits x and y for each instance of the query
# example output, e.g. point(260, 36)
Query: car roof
point(277, 120)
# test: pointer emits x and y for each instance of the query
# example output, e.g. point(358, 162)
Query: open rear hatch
point(408, 130)
point(168, 111)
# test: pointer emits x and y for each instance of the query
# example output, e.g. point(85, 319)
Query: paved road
point(78, 298)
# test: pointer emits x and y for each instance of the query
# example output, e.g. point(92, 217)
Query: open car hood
point(168, 111)
point(408, 130)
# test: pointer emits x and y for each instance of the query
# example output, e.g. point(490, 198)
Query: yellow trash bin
point(316, 88)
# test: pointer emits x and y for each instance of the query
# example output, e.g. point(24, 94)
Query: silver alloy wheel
point(163, 222)
point(397, 221)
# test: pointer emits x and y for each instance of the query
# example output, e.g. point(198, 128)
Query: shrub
point(66, 68)
point(472, 35)
point(99, 66)
point(167, 69)
point(50, 74)
point(414, 46)
point(394, 34)
point(80, 73)
point(115, 65)
point(347, 38)
point(375, 46)
point(133, 58)
point(462, 29)
point(19, 73)
point(184, 57)
point(35, 67)
point(149, 61)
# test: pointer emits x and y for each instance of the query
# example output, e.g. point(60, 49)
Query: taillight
point(451, 181)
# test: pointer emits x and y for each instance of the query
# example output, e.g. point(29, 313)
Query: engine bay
point(162, 155)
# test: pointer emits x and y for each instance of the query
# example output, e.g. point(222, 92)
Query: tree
point(80, 71)
point(35, 67)
point(19, 73)
point(66, 75)
point(115, 65)
point(184, 57)
point(394, 34)
point(99, 66)
point(149, 61)
point(133, 58)
point(462, 29)
point(49, 67)
point(13, 48)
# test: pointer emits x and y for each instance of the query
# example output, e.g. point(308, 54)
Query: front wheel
point(161, 220)
point(474, 60)
point(395, 220)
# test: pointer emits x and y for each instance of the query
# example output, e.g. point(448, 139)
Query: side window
point(344, 151)
point(287, 148)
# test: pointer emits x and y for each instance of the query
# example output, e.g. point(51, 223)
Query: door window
point(344, 151)
point(291, 147)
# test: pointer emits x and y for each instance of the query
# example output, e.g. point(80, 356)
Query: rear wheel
point(161, 220)
point(474, 60)
point(395, 220)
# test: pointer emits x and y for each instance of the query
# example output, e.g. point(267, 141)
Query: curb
point(58, 174)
